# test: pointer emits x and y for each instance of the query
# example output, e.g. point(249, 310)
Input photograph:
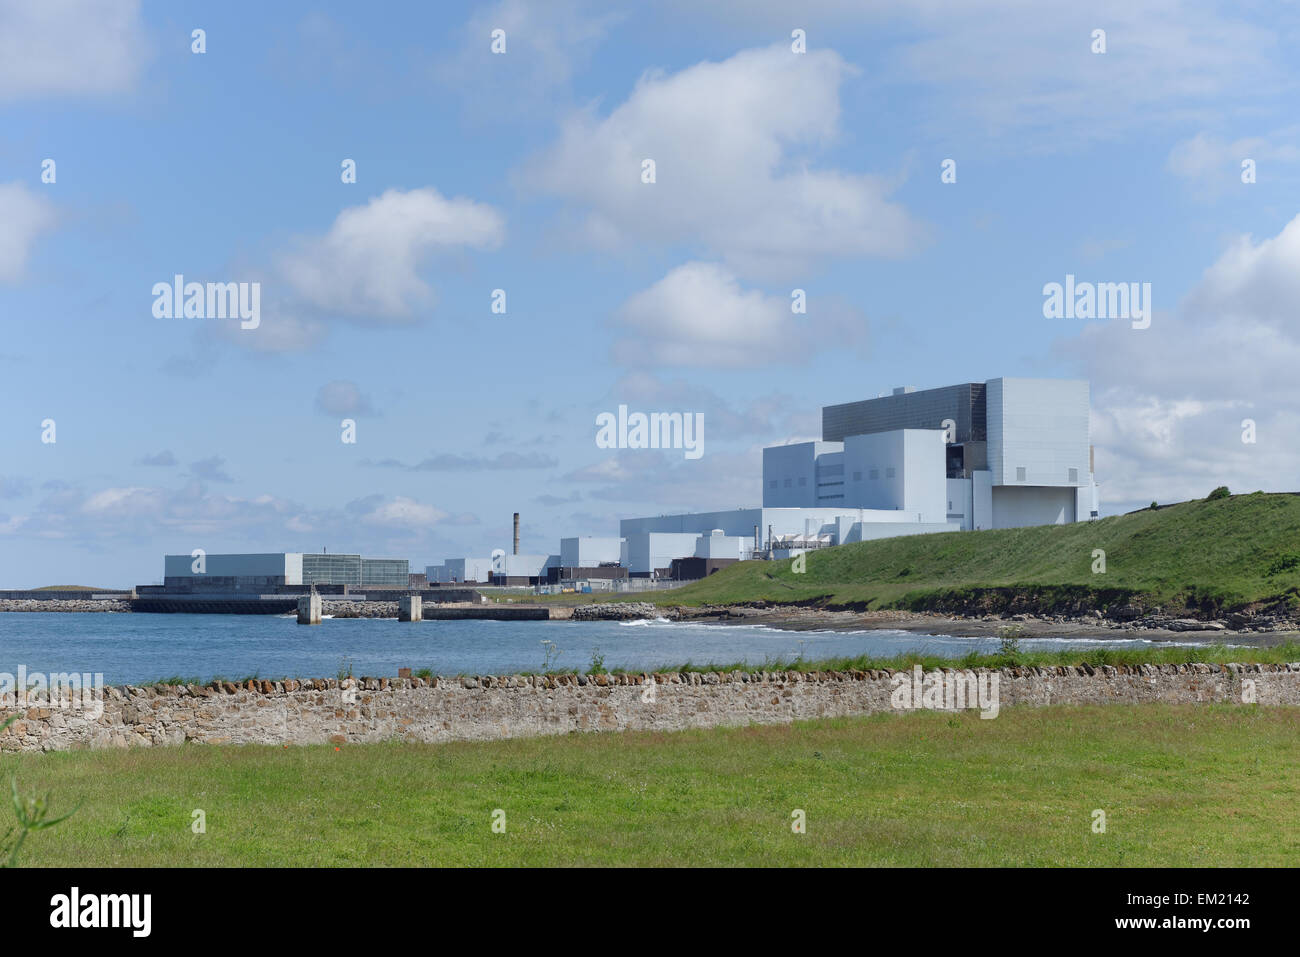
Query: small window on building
point(802, 481)
point(1020, 473)
point(889, 473)
point(787, 483)
point(1074, 475)
point(874, 474)
point(772, 484)
point(857, 476)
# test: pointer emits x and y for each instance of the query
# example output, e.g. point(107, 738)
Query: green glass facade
point(326, 569)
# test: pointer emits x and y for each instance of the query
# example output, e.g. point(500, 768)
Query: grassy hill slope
point(1204, 556)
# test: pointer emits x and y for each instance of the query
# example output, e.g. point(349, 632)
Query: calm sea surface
point(134, 648)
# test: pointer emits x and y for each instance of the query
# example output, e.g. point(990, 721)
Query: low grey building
point(268, 570)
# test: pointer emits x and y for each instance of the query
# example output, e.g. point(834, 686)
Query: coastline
point(792, 618)
point(1265, 631)
point(1251, 631)
point(66, 605)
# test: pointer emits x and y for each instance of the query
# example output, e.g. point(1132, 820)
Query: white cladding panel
point(873, 467)
point(1038, 431)
point(783, 521)
point(254, 565)
point(1036, 505)
point(791, 473)
point(740, 522)
point(982, 487)
point(648, 551)
point(469, 569)
point(869, 531)
point(523, 566)
point(904, 469)
point(589, 551)
point(722, 546)
point(1086, 505)
point(970, 501)
point(961, 502)
point(925, 475)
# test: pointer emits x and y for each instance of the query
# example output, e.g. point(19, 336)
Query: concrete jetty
point(410, 608)
point(309, 609)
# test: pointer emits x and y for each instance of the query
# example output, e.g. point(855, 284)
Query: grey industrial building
point(324, 569)
point(269, 570)
point(965, 406)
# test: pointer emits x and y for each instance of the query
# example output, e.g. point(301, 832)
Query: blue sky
point(520, 171)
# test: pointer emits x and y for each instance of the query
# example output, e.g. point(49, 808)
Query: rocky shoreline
point(68, 605)
point(622, 611)
point(358, 609)
point(1260, 627)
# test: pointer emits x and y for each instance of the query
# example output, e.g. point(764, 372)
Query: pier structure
point(309, 609)
point(410, 608)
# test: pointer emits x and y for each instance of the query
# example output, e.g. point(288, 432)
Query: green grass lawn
point(1180, 785)
point(1012, 655)
point(1202, 555)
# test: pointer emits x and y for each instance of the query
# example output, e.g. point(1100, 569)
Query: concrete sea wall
point(492, 707)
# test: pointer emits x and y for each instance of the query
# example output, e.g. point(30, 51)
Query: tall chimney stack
point(516, 533)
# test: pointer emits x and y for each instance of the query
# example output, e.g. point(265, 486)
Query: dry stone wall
point(484, 708)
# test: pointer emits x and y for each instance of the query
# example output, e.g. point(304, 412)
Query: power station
point(1003, 453)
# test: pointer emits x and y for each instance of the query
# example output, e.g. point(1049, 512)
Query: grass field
point(1180, 785)
point(1205, 555)
point(1013, 656)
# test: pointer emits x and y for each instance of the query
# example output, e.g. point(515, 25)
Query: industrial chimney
point(516, 533)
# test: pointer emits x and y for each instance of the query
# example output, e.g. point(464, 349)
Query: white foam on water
point(1044, 643)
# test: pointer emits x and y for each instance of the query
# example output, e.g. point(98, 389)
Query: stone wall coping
point(547, 681)
point(495, 707)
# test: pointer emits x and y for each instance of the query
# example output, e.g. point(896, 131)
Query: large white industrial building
point(1003, 453)
point(504, 568)
point(997, 454)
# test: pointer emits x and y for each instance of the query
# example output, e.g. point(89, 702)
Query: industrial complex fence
point(592, 585)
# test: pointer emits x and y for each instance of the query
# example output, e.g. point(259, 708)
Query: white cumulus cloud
point(342, 397)
point(402, 512)
point(69, 47)
point(1169, 402)
point(700, 315)
point(368, 265)
point(1214, 165)
point(24, 215)
point(732, 144)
